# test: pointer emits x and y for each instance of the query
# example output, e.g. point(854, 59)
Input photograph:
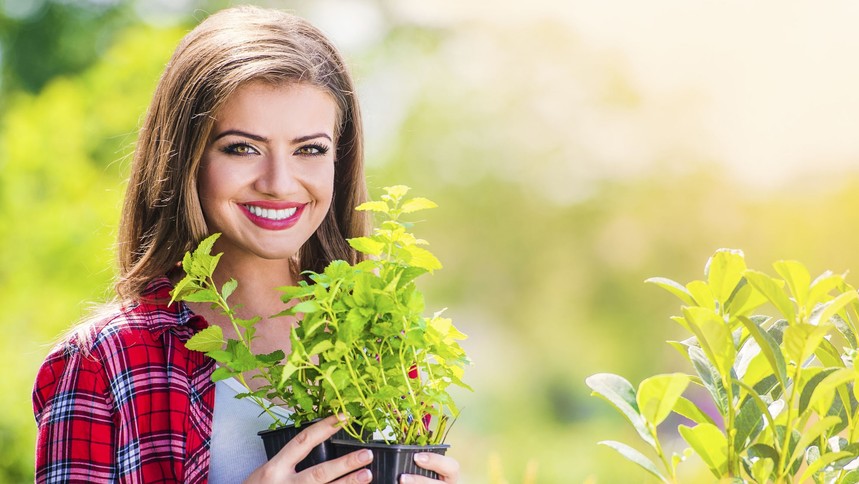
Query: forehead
point(266, 107)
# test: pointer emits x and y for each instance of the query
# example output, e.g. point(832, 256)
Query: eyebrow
point(263, 139)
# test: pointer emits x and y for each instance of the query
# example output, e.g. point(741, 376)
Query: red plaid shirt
point(137, 409)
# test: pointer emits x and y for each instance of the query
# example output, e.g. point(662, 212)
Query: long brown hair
point(161, 215)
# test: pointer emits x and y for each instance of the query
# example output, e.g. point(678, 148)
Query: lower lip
point(269, 224)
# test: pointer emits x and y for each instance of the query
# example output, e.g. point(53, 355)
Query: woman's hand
point(447, 469)
point(281, 468)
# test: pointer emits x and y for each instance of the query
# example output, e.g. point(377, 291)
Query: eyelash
point(231, 149)
point(321, 149)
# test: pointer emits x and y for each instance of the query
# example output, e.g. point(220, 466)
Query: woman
point(254, 131)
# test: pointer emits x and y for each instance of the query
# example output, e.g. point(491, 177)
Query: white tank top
point(236, 449)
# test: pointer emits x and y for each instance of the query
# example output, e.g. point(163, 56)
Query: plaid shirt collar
point(161, 316)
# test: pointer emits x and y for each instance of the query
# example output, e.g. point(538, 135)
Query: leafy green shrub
point(362, 346)
point(783, 384)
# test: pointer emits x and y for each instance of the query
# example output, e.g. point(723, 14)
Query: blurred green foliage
point(544, 263)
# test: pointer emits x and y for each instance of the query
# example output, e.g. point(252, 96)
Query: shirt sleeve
point(75, 418)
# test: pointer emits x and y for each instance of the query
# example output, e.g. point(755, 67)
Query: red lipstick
point(271, 215)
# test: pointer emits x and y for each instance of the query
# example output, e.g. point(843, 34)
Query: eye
point(240, 149)
point(313, 149)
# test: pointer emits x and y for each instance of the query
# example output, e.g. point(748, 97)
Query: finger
point(299, 447)
point(446, 467)
point(335, 468)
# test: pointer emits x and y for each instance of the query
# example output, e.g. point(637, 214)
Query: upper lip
point(273, 204)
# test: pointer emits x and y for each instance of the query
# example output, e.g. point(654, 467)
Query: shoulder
point(143, 321)
point(118, 345)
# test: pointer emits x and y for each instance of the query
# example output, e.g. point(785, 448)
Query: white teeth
point(271, 213)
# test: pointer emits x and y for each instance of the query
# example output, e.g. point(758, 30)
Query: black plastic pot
point(390, 461)
point(276, 439)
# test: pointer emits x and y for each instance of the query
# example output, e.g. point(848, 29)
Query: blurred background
point(575, 148)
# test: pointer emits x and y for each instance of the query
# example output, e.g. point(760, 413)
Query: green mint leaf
point(306, 307)
point(207, 339)
point(247, 323)
point(221, 373)
point(422, 258)
point(202, 295)
point(228, 288)
point(418, 203)
point(373, 206)
point(366, 245)
point(205, 246)
point(396, 192)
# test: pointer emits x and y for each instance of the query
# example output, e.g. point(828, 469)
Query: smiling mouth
point(271, 213)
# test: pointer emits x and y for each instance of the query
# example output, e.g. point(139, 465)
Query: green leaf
point(202, 295)
point(798, 279)
point(247, 323)
point(703, 295)
point(306, 307)
point(724, 271)
point(686, 408)
point(770, 349)
point(366, 245)
point(373, 206)
point(635, 457)
point(228, 288)
point(397, 191)
point(658, 394)
point(621, 394)
point(205, 246)
point(709, 377)
point(824, 392)
point(207, 339)
point(822, 462)
point(422, 258)
point(812, 433)
point(417, 203)
point(802, 339)
point(748, 424)
point(674, 288)
point(836, 305)
point(221, 373)
point(710, 444)
point(809, 387)
point(319, 347)
point(714, 335)
point(772, 289)
point(762, 469)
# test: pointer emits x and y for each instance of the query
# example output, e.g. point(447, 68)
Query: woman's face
point(267, 174)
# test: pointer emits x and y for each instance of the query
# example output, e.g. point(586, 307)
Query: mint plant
point(362, 345)
point(783, 382)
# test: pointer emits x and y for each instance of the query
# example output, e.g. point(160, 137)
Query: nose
point(278, 176)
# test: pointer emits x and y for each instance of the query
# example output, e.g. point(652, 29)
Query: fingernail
point(406, 479)
point(421, 458)
point(365, 476)
point(365, 456)
point(342, 417)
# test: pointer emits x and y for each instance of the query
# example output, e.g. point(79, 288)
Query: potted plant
point(362, 347)
point(783, 383)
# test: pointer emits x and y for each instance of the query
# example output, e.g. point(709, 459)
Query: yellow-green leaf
point(417, 203)
point(373, 206)
point(710, 444)
point(657, 395)
point(366, 245)
point(207, 339)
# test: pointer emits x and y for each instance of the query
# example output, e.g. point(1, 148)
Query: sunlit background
point(575, 148)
